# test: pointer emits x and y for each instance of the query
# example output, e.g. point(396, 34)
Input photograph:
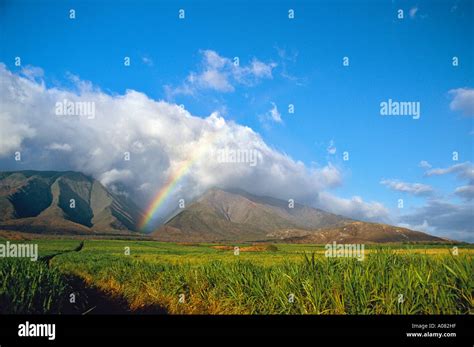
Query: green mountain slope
point(235, 215)
point(62, 202)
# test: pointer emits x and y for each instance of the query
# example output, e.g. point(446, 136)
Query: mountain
point(40, 202)
point(357, 232)
point(62, 202)
point(235, 215)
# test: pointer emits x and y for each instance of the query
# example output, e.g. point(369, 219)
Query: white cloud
point(115, 175)
point(275, 114)
point(413, 11)
point(147, 61)
point(212, 79)
point(32, 72)
point(272, 116)
point(463, 171)
point(221, 74)
point(410, 188)
point(213, 60)
point(354, 207)
point(13, 133)
point(331, 148)
point(289, 58)
point(161, 138)
point(444, 219)
point(465, 192)
point(424, 164)
point(463, 101)
point(64, 147)
point(447, 219)
point(260, 69)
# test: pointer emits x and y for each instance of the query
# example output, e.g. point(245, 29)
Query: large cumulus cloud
point(158, 138)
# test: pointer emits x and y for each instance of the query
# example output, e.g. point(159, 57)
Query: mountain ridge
point(40, 202)
point(62, 201)
point(247, 217)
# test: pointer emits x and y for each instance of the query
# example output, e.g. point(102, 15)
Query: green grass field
point(200, 279)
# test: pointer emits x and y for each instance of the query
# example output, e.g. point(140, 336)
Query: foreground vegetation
point(31, 287)
point(286, 279)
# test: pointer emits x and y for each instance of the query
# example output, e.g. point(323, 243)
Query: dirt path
point(96, 301)
point(47, 258)
point(93, 300)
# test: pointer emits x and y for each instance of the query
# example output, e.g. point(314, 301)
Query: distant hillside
point(356, 232)
point(40, 201)
point(235, 215)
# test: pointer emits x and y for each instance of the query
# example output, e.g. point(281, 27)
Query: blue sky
point(407, 59)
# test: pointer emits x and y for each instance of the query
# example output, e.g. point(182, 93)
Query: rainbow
point(172, 181)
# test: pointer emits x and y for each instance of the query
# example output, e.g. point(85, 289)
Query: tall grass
point(384, 283)
point(31, 287)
